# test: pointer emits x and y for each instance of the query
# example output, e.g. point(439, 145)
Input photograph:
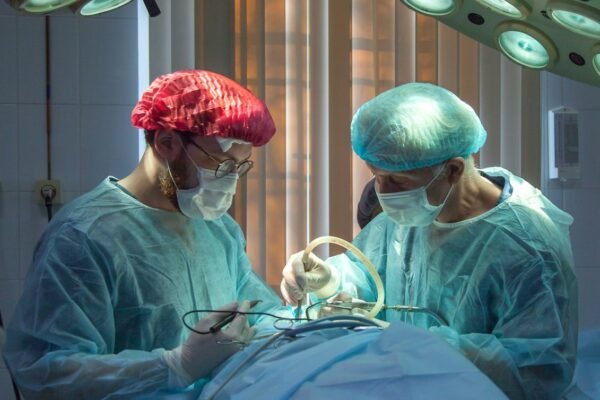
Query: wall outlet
point(50, 188)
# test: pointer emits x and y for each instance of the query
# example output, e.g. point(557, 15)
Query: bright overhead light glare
point(95, 7)
point(510, 8)
point(525, 45)
point(577, 18)
point(596, 59)
point(432, 7)
point(42, 6)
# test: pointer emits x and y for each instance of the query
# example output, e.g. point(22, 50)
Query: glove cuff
point(331, 287)
point(173, 360)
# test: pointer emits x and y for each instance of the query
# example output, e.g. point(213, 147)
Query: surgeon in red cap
point(117, 268)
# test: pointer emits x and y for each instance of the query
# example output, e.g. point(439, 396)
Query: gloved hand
point(316, 276)
point(200, 354)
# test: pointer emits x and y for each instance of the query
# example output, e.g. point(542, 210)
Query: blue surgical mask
point(211, 198)
point(411, 207)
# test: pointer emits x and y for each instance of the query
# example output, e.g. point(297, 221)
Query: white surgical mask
point(211, 198)
point(411, 207)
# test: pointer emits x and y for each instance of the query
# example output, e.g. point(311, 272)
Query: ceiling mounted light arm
point(526, 45)
point(39, 6)
point(152, 8)
point(579, 18)
point(596, 58)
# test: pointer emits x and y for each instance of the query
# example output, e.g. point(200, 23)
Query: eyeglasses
point(228, 165)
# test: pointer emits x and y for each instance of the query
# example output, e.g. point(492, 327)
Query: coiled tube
point(359, 254)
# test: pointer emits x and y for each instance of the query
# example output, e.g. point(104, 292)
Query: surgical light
point(596, 61)
point(95, 7)
point(577, 18)
point(432, 7)
point(41, 6)
point(510, 8)
point(525, 45)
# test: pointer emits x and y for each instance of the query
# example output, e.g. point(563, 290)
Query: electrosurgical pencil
point(219, 325)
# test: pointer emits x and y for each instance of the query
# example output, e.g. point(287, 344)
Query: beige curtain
point(314, 62)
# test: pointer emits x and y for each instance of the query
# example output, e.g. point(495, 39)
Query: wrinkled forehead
point(413, 174)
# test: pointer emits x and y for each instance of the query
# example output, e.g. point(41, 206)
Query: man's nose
point(384, 186)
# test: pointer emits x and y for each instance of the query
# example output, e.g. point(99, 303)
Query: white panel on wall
point(9, 238)
point(32, 145)
point(109, 142)
point(9, 146)
point(107, 48)
point(64, 56)
point(589, 297)
point(66, 154)
point(31, 58)
point(8, 68)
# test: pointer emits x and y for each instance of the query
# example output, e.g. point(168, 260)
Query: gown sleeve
point(60, 342)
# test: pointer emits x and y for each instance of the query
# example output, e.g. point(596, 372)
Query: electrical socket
point(47, 186)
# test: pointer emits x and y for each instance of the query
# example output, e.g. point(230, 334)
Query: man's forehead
point(410, 174)
point(238, 151)
point(209, 143)
point(380, 171)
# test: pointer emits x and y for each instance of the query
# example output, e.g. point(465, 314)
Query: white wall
point(94, 87)
point(580, 198)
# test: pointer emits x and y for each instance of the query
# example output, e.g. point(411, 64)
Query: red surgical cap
point(205, 103)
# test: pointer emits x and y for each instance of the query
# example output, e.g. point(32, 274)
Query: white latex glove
point(316, 276)
point(200, 354)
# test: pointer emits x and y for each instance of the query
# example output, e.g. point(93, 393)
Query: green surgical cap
point(415, 125)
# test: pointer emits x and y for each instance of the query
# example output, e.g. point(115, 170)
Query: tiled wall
point(94, 87)
point(581, 197)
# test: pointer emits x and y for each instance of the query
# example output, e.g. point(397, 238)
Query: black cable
point(48, 202)
point(311, 306)
point(277, 317)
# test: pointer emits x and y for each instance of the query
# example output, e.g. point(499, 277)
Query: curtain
point(314, 62)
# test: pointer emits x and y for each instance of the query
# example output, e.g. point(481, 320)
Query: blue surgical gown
point(504, 281)
point(109, 283)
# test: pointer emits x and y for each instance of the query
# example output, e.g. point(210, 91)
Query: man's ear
point(167, 144)
point(455, 168)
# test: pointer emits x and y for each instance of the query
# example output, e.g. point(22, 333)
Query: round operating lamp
point(577, 18)
point(525, 45)
point(432, 7)
point(40, 6)
point(511, 8)
point(596, 59)
point(95, 7)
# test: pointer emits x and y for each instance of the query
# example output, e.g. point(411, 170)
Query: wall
point(94, 77)
point(581, 197)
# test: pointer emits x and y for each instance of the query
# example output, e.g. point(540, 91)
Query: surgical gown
point(110, 281)
point(504, 281)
